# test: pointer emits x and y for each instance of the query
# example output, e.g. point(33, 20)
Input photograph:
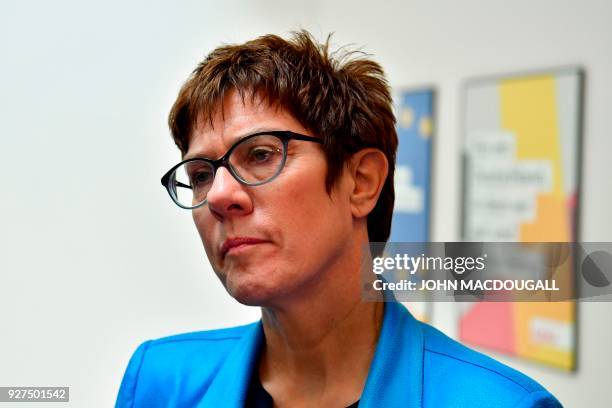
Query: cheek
point(202, 220)
point(312, 220)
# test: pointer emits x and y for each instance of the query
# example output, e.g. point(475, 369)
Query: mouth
point(234, 244)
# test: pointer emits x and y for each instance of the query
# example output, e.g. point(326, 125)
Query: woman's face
point(269, 242)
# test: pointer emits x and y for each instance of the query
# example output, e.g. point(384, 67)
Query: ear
point(368, 169)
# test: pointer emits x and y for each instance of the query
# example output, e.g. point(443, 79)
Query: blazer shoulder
point(171, 365)
point(473, 379)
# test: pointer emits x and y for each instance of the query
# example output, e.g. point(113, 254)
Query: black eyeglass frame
point(283, 135)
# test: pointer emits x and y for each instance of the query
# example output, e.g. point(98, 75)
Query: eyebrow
point(235, 140)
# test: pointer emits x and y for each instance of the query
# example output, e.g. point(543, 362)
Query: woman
point(288, 158)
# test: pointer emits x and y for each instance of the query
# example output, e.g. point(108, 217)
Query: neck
point(320, 343)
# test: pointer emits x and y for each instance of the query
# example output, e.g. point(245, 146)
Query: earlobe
point(369, 168)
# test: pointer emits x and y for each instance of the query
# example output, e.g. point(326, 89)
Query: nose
point(228, 197)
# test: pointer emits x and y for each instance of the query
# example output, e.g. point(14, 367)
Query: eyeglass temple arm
point(179, 184)
point(306, 138)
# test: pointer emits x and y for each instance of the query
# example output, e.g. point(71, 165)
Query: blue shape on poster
point(413, 166)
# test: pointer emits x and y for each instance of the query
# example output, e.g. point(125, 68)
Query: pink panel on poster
point(489, 325)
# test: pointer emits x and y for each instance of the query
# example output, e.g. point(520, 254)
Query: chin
point(253, 292)
point(260, 286)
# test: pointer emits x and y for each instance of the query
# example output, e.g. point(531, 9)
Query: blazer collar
point(396, 373)
point(395, 378)
point(230, 384)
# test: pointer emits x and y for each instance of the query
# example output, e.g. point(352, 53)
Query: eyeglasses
point(253, 160)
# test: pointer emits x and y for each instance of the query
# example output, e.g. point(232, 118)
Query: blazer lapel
point(230, 385)
point(396, 373)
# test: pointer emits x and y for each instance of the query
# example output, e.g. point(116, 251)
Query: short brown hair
point(342, 97)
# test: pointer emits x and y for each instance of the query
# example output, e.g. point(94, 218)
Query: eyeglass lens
point(255, 160)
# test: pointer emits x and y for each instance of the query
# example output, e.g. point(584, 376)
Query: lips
point(230, 243)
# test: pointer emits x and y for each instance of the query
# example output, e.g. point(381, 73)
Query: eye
point(261, 154)
point(201, 177)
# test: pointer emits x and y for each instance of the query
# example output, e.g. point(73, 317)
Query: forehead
point(234, 118)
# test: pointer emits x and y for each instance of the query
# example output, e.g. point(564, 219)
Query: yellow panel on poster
point(551, 223)
point(529, 110)
point(544, 332)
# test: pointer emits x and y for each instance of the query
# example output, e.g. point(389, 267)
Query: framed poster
point(521, 157)
point(411, 213)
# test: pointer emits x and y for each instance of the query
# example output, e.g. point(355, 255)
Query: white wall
point(94, 258)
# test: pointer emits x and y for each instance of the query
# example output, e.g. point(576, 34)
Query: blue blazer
point(414, 365)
